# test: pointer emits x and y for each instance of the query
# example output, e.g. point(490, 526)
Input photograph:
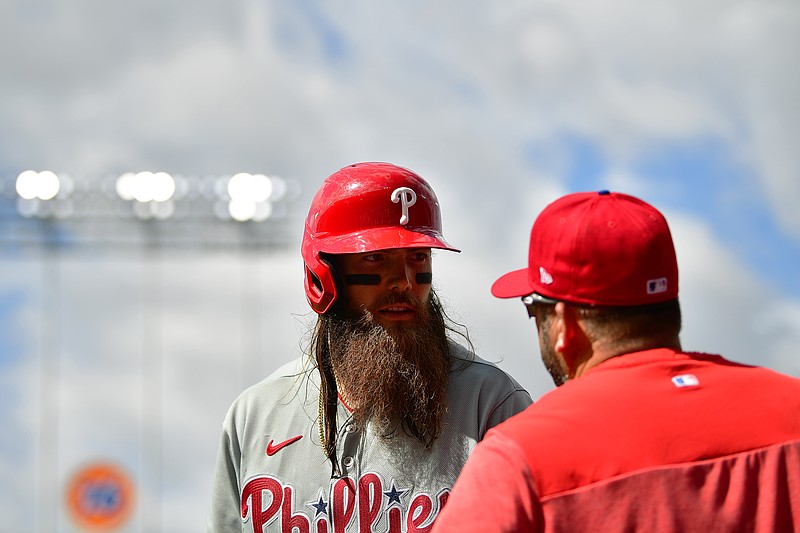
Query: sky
point(502, 107)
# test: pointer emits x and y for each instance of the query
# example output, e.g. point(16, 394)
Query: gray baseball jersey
point(272, 474)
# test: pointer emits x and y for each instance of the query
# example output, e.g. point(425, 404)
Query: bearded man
point(370, 429)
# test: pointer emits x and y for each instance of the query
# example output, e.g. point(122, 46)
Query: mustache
point(393, 298)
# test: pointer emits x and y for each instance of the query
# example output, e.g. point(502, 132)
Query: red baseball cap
point(597, 248)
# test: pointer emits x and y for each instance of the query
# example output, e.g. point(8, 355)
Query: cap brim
point(513, 285)
point(373, 239)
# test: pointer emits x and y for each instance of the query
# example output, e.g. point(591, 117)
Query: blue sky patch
point(705, 179)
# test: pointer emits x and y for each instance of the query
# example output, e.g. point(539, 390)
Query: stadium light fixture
point(250, 197)
point(42, 185)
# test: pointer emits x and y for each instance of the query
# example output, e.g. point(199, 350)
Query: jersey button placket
point(351, 442)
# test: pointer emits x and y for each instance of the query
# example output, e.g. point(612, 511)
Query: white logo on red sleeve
point(685, 380)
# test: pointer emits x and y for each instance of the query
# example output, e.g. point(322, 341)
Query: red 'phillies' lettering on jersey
point(350, 502)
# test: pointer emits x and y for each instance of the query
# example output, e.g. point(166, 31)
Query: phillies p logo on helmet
point(407, 197)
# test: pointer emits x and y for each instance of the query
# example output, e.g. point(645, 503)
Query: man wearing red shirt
point(639, 435)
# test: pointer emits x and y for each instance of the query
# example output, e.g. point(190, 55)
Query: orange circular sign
point(100, 496)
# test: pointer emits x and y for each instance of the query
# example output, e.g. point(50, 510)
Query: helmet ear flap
point(320, 284)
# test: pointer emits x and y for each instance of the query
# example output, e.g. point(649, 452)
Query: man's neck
point(603, 351)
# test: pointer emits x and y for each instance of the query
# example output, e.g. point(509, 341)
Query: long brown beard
point(393, 377)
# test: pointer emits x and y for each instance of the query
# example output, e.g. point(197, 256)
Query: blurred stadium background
point(110, 306)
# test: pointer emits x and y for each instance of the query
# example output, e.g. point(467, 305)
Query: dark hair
point(631, 324)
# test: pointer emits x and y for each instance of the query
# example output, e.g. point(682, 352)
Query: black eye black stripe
point(363, 279)
point(375, 279)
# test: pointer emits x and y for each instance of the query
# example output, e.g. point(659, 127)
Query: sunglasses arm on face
point(530, 307)
point(532, 300)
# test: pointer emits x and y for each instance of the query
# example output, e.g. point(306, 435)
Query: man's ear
point(570, 338)
point(562, 327)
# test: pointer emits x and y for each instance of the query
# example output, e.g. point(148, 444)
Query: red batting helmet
point(362, 208)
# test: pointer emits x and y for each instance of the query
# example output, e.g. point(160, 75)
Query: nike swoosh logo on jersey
point(272, 449)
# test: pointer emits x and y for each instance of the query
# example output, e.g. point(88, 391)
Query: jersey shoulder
point(481, 386)
point(467, 367)
point(293, 384)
